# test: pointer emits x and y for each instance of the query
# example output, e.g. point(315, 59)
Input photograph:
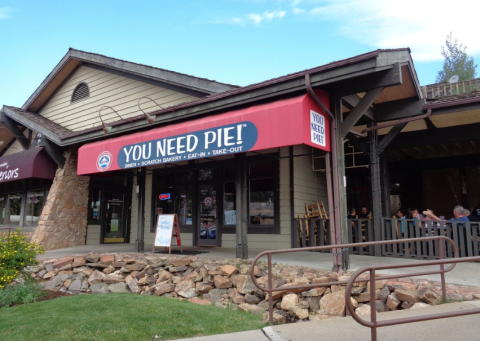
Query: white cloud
point(265, 16)
point(420, 25)
point(4, 12)
point(297, 10)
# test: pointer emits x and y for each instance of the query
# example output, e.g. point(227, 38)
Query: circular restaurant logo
point(104, 161)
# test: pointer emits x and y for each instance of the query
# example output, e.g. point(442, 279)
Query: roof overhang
point(74, 58)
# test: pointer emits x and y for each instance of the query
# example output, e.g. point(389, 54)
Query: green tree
point(457, 62)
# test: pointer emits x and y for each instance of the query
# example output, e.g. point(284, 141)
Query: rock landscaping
point(227, 283)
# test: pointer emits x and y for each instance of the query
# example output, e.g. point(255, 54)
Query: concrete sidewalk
point(465, 328)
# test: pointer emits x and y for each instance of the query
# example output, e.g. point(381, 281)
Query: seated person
point(470, 216)
point(457, 215)
point(364, 213)
point(401, 215)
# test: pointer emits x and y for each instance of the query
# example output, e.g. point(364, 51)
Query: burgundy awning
point(286, 122)
point(32, 163)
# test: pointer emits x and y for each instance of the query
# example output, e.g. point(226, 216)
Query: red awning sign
point(281, 123)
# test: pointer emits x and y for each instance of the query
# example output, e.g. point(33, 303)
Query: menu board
point(167, 227)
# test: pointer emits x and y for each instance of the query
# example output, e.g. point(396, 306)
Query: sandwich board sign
point(166, 228)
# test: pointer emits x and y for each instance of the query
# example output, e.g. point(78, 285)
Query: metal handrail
point(373, 324)
point(342, 248)
point(9, 229)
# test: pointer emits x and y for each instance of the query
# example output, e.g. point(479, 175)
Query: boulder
point(96, 277)
point(228, 270)
point(393, 302)
point(407, 295)
point(333, 304)
point(186, 289)
point(133, 284)
point(250, 308)
point(112, 279)
point(419, 305)
point(299, 312)
point(364, 310)
point(67, 261)
point(92, 257)
point(99, 288)
point(429, 296)
point(118, 287)
point(203, 288)
point(289, 301)
point(161, 289)
point(222, 282)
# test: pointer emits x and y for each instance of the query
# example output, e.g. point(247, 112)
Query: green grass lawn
point(119, 317)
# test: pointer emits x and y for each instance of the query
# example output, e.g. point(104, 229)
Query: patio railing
point(316, 232)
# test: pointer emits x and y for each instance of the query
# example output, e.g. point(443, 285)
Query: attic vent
point(80, 92)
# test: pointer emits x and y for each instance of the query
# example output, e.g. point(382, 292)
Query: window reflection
point(14, 207)
point(35, 200)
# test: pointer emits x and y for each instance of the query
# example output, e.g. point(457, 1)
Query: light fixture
point(150, 118)
point(106, 128)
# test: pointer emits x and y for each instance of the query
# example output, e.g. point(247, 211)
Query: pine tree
point(457, 62)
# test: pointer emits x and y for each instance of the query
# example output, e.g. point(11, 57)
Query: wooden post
point(241, 206)
point(376, 189)
point(139, 242)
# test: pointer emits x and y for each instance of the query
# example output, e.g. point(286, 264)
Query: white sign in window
point(317, 129)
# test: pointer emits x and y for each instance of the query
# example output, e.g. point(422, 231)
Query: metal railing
point(341, 248)
point(10, 229)
point(464, 234)
point(373, 324)
point(446, 89)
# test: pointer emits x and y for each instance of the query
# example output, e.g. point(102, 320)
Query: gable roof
point(352, 75)
point(74, 58)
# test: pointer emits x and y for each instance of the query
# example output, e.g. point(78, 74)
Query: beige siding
point(309, 186)
point(93, 235)
point(106, 89)
point(16, 147)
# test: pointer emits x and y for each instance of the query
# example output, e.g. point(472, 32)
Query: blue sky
point(235, 41)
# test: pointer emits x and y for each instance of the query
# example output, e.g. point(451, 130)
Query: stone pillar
point(63, 222)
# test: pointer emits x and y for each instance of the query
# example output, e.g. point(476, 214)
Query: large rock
point(107, 259)
point(186, 289)
point(92, 257)
point(365, 296)
point(96, 277)
point(393, 302)
point(429, 296)
point(112, 279)
point(289, 301)
point(364, 310)
point(250, 308)
point(118, 287)
point(63, 262)
point(333, 304)
point(215, 294)
point(228, 270)
point(163, 275)
point(236, 297)
point(222, 282)
point(203, 288)
point(315, 292)
point(99, 288)
point(76, 285)
point(161, 289)
point(132, 284)
point(182, 261)
point(300, 313)
point(407, 295)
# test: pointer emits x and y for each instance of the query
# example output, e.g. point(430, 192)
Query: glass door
point(114, 223)
point(208, 226)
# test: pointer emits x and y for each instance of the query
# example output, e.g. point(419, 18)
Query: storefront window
point(261, 209)
point(35, 200)
point(3, 202)
point(95, 207)
point(174, 194)
point(229, 198)
point(14, 208)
